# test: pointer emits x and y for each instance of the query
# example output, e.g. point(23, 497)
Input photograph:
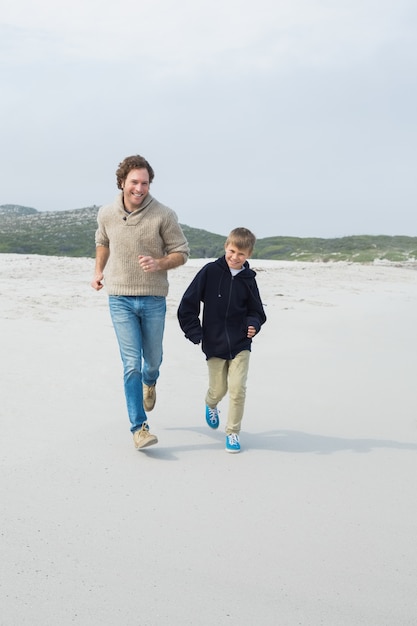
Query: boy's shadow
point(300, 442)
point(292, 441)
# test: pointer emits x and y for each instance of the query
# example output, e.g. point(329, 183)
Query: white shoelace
point(213, 416)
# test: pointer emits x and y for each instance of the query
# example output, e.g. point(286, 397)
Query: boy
point(232, 315)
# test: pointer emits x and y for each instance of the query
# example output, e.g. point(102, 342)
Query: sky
point(288, 117)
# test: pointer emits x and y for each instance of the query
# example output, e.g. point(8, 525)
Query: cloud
point(184, 37)
point(291, 116)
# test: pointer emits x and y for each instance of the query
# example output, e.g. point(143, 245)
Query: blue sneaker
point(212, 417)
point(232, 443)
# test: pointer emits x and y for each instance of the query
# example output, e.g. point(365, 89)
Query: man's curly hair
point(132, 163)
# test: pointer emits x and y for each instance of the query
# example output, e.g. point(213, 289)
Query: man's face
point(135, 188)
point(235, 258)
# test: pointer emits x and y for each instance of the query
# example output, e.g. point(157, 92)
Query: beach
point(312, 524)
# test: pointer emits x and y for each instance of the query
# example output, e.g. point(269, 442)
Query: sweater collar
point(120, 205)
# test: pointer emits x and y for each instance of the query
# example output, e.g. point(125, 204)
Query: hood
point(246, 272)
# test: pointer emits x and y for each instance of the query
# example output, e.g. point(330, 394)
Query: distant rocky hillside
point(9, 210)
point(57, 233)
point(24, 230)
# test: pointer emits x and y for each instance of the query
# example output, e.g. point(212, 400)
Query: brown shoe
point(149, 397)
point(142, 438)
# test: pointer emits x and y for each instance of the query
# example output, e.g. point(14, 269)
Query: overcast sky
point(289, 117)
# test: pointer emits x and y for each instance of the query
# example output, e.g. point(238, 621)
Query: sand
point(312, 524)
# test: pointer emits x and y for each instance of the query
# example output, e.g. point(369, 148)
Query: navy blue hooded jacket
point(231, 304)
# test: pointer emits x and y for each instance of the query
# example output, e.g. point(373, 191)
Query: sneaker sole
point(232, 451)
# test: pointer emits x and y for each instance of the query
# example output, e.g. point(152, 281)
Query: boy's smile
point(235, 258)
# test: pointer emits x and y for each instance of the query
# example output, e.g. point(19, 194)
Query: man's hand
point(102, 256)
point(167, 262)
point(96, 282)
point(148, 263)
point(251, 331)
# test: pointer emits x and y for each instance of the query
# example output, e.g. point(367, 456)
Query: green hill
point(24, 230)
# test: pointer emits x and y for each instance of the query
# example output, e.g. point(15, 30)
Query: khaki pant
point(229, 376)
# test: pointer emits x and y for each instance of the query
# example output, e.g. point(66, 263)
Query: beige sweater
point(152, 230)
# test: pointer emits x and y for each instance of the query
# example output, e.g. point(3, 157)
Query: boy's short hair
point(242, 238)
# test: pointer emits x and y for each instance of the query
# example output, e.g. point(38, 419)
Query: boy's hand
point(251, 331)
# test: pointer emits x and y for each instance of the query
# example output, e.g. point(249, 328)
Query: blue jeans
point(139, 325)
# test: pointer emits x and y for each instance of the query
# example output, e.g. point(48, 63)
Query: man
point(138, 240)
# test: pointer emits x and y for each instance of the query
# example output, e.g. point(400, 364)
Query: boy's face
point(235, 257)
